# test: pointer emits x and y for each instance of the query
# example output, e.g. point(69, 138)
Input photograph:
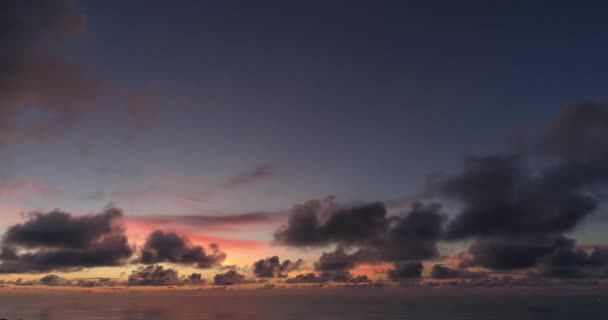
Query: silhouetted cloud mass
point(363, 233)
point(50, 280)
point(343, 276)
point(443, 272)
point(407, 270)
point(272, 267)
point(310, 277)
point(153, 275)
point(170, 247)
point(230, 277)
point(518, 205)
point(60, 241)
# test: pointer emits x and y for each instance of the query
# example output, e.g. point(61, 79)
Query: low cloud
point(272, 267)
point(363, 233)
point(153, 275)
point(60, 241)
point(310, 277)
point(170, 247)
point(407, 270)
point(51, 280)
point(230, 277)
point(443, 272)
point(344, 276)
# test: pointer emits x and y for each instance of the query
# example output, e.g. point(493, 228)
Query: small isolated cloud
point(51, 280)
point(170, 247)
point(257, 174)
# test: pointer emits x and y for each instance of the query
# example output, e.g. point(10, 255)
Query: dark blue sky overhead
point(374, 95)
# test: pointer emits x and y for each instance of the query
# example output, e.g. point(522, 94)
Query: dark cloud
point(230, 277)
point(578, 134)
point(153, 275)
point(366, 230)
point(344, 276)
point(553, 258)
point(570, 262)
point(501, 197)
point(51, 280)
point(194, 278)
point(323, 222)
point(339, 259)
point(60, 241)
point(272, 267)
point(406, 270)
point(504, 254)
point(100, 282)
point(61, 229)
point(260, 173)
point(171, 247)
point(442, 272)
point(310, 277)
point(518, 206)
point(34, 73)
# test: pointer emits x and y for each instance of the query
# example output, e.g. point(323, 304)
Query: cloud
point(227, 221)
point(100, 282)
point(407, 270)
point(344, 276)
point(366, 230)
point(257, 174)
point(569, 262)
point(51, 280)
point(505, 254)
point(35, 74)
point(272, 267)
point(310, 277)
point(59, 241)
point(153, 275)
point(171, 247)
point(337, 260)
point(230, 277)
point(501, 197)
point(548, 190)
point(194, 278)
point(442, 272)
point(517, 206)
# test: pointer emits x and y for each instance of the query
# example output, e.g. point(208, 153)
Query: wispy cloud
point(257, 174)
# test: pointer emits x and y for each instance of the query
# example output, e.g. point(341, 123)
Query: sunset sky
point(401, 141)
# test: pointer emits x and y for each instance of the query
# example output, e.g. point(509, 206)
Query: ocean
point(305, 304)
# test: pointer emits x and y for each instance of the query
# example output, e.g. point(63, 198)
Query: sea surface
point(309, 304)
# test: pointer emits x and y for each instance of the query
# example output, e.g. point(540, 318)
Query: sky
point(149, 141)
